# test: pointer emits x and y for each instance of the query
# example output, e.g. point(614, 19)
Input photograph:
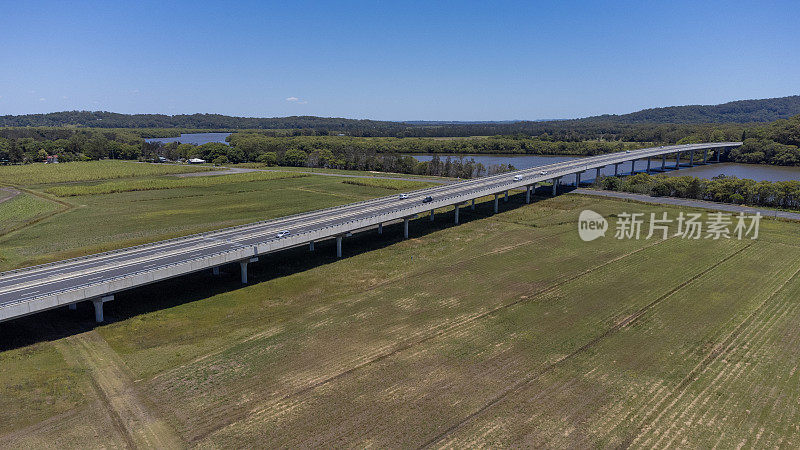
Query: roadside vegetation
point(505, 329)
point(778, 194)
point(395, 185)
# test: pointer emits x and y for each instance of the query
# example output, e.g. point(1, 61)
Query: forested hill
point(745, 111)
point(742, 111)
point(104, 119)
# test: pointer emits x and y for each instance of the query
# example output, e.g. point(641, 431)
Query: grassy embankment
point(504, 330)
point(111, 204)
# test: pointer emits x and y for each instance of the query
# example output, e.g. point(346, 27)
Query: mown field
point(73, 209)
point(507, 330)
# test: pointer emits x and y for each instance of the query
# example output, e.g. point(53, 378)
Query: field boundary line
point(721, 348)
point(594, 341)
point(403, 346)
point(64, 207)
point(118, 394)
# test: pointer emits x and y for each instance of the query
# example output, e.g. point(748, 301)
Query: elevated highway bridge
point(97, 278)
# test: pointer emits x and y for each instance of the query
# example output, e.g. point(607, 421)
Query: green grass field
point(507, 330)
point(139, 207)
point(33, 174)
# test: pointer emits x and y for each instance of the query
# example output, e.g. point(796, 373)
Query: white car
point(283, 233)
point(627, 151)
point(544, 172)
point(517, 177)
point(402, 196)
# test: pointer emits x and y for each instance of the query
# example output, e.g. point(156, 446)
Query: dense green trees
point(781, 194)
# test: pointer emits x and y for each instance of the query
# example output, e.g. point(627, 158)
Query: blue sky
point(426, 60)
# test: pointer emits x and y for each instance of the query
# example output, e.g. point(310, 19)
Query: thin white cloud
point(42, 99)
point(296, 100)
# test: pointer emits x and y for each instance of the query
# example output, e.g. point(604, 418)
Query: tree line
point(779, 194)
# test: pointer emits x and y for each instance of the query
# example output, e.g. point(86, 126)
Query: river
point(756, 172)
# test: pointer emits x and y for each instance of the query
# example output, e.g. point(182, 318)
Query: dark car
point(427, 199)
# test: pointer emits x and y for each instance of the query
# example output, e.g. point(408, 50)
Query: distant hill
point(742, 111)
point(597, 127)
point(105, 119)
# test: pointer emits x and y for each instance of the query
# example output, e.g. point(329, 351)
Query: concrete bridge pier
point(457, 206)
point(705, 156)
point(717, 151)
point(380, 228)
point(311, 246)
point(339, 246)
point(616, 169)
point(243, 266)
point(473, 205)
point(648, 165)
point(691, 158)
point(597, 173)
point(505, 197)
point(405, 227)
point(495, 203)
point(678, 160)
point(633, 167)
point(432, 217)
point(73, 306)
point(527, 194)
point(98, 307)
point(215, 271)
point(578, 179)
point(555, 185)
point(663, 163)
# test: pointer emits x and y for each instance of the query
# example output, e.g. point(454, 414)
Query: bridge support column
point(311, 246)
point(555, 186)
point(98, 307)
point(663, 162)
point(457, 208)
point(339, 245)
point(432, 218)
point(578, 179)
point(648, 165)
point(597, 173)
point(505, 197)
point(473, 204)
point(215, 271)
point(527, 194)
point(633, 167)
point(705, 156)
point(405, 228)
point(495, 203)
point(718, 151)
point(691, 158)
point(243, 265)
point(616, 169)
point(380, 228)
point(678, 160)
point(73, 306)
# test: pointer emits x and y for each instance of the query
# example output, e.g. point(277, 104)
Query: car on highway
point(627, 151)
point(517, 177)
point(544, 172)
point(283, 233)
point(402, 196)
point(427, 199)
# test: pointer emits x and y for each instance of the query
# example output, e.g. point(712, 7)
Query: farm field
point(97, 206)
point(505, 330)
